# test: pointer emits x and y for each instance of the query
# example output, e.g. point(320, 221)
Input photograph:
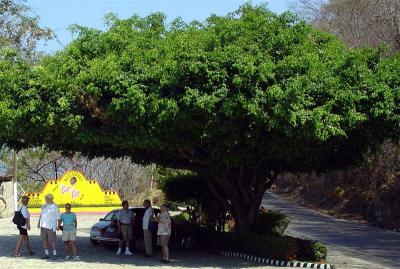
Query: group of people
point(51, 220)
point(125, 222)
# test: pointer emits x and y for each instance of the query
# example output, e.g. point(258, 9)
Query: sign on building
point(75, 189)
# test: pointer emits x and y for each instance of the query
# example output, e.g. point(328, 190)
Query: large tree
point(358, 23)
point(20, 29)
point(238, 99)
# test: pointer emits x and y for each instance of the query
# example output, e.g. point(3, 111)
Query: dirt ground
point(97, 257)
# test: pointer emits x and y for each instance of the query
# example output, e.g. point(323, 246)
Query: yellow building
point(75, 189)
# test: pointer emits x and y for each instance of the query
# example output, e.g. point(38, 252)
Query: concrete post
point(15, 182)
point(8, 198)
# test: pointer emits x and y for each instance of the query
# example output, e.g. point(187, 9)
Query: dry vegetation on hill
point(369, 193)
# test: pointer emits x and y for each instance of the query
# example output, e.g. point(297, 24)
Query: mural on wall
point(75, 189)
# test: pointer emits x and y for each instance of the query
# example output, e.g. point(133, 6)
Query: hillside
point(369, 193)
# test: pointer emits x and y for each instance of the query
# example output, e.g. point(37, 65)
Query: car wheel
point(139, 245)
point(111, 246)
point(187, 242)
point(94, 242)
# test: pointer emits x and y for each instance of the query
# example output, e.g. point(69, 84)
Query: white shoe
point(67, 257)
point(128, 253)
point(119, 252)
point(76, 258)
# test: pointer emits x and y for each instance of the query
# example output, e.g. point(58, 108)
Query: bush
point(182, 218)
point(312, 250)
point(187, 188)
point(268, 245)
point(172, 205)
point(212, 239)
point(271, 222)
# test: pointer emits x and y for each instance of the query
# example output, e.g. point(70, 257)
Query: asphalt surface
point(350, 244)
point(97, 257)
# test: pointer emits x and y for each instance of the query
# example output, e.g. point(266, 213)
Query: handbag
point(18, 218)
point(152, 226)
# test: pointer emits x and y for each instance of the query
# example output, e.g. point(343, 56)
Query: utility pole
point(153, 170)
point(55, 168)
point(15, 181)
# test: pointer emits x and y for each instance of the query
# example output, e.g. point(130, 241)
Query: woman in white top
point(23, 230)
point(164, 232)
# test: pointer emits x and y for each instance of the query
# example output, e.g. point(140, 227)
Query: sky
point(60, 14)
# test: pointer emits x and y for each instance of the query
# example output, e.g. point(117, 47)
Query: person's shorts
point(126, 232)
point(163, 240)
point(47, 234)
point(68, 236)
point(22, 231)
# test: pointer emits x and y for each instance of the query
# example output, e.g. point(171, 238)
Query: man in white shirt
point(23, 230)
point(147, 235)
point(48, 225)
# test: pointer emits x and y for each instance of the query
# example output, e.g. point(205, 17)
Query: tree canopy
point(238, 99)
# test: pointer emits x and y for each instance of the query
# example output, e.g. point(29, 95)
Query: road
point(350, 244)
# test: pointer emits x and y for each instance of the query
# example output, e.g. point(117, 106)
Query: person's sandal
point(16, 255)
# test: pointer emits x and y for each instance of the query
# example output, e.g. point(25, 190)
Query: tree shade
point(238, 99)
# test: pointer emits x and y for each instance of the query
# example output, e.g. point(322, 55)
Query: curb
point(276, 262)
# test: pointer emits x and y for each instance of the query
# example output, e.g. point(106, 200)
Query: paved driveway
point(99, 257)
point(350, 244)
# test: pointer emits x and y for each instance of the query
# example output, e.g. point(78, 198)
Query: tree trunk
point(244, 217)
point(240, 191)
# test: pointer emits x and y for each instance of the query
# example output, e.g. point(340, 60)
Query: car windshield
point(109, 216)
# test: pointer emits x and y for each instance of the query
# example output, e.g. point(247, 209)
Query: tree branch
point(220, 196)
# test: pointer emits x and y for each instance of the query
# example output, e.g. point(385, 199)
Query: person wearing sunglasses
point(69, 224)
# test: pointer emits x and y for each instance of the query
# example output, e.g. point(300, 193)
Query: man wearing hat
point(23, 230)
point(48, 225)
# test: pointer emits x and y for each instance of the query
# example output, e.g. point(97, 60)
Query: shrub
point(212, 239)
point(182, 218)
point(271, 222)
point(187, 188)
point(312, 250)
point(268, 245)
point(172, 205)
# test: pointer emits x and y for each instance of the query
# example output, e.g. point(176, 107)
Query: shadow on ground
point(101, 257)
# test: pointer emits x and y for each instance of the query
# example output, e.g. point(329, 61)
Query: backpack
point(18, 218)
